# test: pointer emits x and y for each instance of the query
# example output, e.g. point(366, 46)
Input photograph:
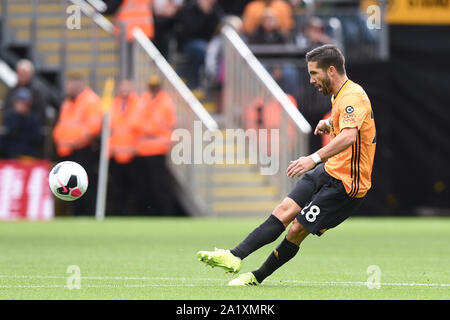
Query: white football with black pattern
point(68, 180)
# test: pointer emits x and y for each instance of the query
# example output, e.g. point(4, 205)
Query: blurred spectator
point(40, 98)
point(124, 123)
point(122, 143)
point(214, 61)
point(313, 35)
point(136, 13)
point(164, 12)
point(254, 12)
point(197, 23)
point(112, 6)
point(23, 137)
point(303, 7)
point(214, 64)
point(287, 76)
point(269, 32)
point(295, 3)
point(233, 7)
point(131, 14)
point(154, 141)
point(76, 135)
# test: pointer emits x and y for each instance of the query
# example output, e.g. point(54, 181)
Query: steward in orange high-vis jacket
point(154, 142)
point(124, 123)
point(80, 118)
point(76, 136)
point(136, 13)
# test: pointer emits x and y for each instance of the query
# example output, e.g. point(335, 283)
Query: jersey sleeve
point(352, 112)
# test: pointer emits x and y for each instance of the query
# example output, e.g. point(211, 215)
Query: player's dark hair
point(326, 56)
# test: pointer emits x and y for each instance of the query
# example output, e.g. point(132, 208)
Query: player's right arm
point(343, 140)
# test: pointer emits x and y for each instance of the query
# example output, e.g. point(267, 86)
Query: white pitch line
point(359, 283)
point(106, 278)
point(122, 278)
point(51, 286)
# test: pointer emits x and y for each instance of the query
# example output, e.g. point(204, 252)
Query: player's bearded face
point(324, 85)
point(319, 78)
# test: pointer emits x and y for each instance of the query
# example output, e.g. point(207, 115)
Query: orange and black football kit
point(334, 190)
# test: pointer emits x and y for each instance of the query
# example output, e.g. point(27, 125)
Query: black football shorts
point(324, 201)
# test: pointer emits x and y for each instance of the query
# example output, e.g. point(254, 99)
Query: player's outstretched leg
point(267, 232)
point(282, 254)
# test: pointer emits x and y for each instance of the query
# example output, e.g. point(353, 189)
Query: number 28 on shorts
point(310, 212)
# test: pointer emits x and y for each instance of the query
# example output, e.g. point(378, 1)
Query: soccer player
point(335, 179)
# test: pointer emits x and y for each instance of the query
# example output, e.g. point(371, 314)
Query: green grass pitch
point(155, 258)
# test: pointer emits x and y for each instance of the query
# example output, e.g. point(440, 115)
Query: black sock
point(282, 254)
point(266, 233)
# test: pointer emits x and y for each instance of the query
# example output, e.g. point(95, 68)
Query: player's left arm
point(342, 141)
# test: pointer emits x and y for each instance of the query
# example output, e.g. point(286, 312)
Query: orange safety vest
point(136, 13)
point(124, 128)
point(156, 124)
point(254, 13)
point(79, 121)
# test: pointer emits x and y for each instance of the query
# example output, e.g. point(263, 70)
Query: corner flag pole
point(102, 186)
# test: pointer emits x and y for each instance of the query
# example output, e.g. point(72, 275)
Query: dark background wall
point(410, 96)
